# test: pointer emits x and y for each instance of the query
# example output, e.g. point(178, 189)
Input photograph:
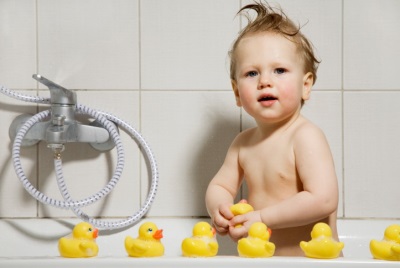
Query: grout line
point(37, 42)
point(140, 97)
point(37, 105)
point(342, 91)
point(241, 190)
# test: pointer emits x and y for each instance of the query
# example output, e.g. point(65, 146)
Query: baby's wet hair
point(272, 19)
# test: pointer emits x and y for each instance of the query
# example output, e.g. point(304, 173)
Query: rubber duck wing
point(246, 243)
point(213, 246)
point(396, 249)
point(270, 247)
point(84, 245)
point(136, 245)
point(89, 248)
point(192, 244)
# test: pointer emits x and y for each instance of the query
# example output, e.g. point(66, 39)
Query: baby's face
point(270, 81)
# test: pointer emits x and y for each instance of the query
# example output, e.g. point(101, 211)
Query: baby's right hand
point(221, 219)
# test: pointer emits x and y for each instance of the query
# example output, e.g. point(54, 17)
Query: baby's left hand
point(245, 220)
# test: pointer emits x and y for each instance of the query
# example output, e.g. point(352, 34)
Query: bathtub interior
point(36, 239)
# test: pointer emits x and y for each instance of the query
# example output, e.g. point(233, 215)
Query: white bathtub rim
point(29, 232)
point(182, 262)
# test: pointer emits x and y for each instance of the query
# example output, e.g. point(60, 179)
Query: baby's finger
point(226, 212)
point(221, 230)
point(237, 220)
point(221, 224)
point(237, 233)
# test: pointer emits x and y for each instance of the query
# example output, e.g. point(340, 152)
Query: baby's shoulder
point(243, 138)
point(246, 134)
point(307, 131)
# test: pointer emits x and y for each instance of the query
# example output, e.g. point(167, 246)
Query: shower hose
point(108, 121)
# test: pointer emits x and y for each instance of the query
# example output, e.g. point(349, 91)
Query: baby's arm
point(319, 196)
point(223, 188)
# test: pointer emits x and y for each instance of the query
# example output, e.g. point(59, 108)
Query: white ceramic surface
point(26, 244)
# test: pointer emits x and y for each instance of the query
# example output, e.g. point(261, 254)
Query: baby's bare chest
point(268, 163)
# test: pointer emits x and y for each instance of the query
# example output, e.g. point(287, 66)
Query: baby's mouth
point(267, 98)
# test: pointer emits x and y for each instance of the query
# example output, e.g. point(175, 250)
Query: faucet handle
point(58, 94)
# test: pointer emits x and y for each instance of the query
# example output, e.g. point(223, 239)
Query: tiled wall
point(163, 66)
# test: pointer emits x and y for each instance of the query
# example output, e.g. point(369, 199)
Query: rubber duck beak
point(95, 233)
point(269, 231)
point(158, 234)
point(214, 231)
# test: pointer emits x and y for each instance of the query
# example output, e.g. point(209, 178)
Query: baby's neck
point(268, 129)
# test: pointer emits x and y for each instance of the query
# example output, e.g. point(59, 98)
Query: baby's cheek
point(246, 97)
point(291, 94)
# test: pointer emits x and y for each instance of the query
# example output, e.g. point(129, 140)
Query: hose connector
point(57, 149)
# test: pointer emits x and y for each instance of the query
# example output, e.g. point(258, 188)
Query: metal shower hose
point(107, 121)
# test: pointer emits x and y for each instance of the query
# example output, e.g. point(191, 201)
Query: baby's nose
point(264, 81)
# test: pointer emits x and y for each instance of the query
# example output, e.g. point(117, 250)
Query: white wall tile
point(321, 23)
point(371, 44)
point(18, 43)
point(87, 171)
point(14, 200)
point(89, 44)
point(324, 110)
point(189, 133)
point(96, 45)
point(185, 43)
point(371, 154)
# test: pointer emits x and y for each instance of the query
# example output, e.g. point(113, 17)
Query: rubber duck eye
point(90, 229)
point(150, 230)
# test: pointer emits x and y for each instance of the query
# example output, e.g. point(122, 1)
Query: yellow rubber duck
point(147, 244)
point(82, 244)
point(322, 245)
point(241, 208)
point(389, 248)
point(203, 242)
point(256, 244)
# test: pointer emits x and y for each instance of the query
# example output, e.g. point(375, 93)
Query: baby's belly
point(287, 241)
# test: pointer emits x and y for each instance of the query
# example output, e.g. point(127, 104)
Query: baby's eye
point(251, 74)
point(279, 71)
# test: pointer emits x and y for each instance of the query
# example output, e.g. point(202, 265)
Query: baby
point(285, 160)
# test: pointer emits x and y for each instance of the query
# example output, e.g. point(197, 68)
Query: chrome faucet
point(62, 126)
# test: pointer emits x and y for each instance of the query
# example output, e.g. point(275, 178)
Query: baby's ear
point(308, 81)
point(236, 92)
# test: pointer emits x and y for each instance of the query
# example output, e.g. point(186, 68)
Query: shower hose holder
point(62, 127)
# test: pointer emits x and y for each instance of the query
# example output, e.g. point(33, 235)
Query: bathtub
point(33, 243)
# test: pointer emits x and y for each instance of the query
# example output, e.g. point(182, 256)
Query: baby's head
point(270, 20)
